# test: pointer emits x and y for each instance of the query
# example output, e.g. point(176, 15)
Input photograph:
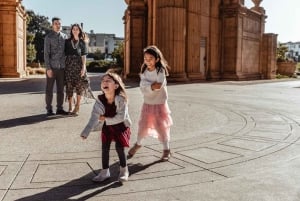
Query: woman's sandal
point(75, 111)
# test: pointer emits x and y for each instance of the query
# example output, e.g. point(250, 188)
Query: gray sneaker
point(102, 176)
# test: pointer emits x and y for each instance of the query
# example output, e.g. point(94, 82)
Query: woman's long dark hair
point(161, 64)
point(81, 35)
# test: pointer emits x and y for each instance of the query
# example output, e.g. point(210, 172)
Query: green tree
point(118, 54)
point(38, 26)
point(281, 52)
point(98, 54)
point(30, 49)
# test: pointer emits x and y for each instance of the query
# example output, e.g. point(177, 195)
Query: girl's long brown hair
point(118, 80)
point(161, 64)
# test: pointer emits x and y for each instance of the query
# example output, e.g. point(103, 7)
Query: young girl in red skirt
point(111, 108)
point(155, 119)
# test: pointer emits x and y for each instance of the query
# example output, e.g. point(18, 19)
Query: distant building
point(104, 42)
point(101, 41)
point(66, 30)
point(293, 50)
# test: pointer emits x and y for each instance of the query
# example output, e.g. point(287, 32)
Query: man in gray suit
point(54, 56)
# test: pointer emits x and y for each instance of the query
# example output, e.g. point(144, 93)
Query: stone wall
point(12, 39)
point(201, 40)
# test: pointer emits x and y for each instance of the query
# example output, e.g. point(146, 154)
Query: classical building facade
point(12, 39)
point(202, 40)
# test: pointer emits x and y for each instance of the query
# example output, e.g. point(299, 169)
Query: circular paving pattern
point(211, 140)
point(227, 137)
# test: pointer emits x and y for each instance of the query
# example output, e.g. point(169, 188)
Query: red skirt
point(118, 133)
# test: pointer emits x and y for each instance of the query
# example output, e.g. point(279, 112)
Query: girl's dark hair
point(118, 80)
point(81, 35)
point(161, 64)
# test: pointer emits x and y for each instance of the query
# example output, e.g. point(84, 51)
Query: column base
point(241, 76)
point(196, 76)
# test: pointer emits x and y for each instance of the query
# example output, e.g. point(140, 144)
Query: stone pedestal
point(12, 39)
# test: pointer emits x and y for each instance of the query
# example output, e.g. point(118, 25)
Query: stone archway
point(202, 40)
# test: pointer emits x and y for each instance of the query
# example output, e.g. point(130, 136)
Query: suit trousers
point(58, 79)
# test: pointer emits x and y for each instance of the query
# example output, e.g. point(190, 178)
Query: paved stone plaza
point(231, 141)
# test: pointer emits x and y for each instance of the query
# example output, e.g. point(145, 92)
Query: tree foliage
point(30, 49)
point(30, 52)
point(281, 52)
point(118, 54)
point(37, 27)
point(98, 54)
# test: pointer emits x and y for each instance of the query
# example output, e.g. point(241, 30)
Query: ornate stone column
point(155, 22)
point(135, 36)
point(231, 36)
point(170, 32)
point(268, 54)
point(12, 39)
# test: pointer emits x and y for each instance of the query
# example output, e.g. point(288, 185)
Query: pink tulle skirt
point(155, 121)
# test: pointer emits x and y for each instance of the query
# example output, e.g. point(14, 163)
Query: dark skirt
point(73, 79)
point(118, 133)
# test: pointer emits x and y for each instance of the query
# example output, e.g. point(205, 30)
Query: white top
point(99, 109)
point(154, 97)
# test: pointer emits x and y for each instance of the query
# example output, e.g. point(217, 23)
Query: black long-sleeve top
point(80, 49)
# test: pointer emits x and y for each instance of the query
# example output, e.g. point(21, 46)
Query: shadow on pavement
point(76, 187)
point(37, 85)
point(135, 168)
point(21, 121)
point(34, 85)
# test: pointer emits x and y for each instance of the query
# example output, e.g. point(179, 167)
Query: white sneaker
point(124, 174)
point(103, 175)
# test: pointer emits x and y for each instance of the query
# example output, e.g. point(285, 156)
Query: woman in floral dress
point(75, 70)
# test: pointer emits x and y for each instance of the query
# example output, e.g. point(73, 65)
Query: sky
point(282, 18)
point(101, 16)
point(105, 16)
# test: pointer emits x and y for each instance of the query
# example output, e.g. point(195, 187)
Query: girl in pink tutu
point(155, 119)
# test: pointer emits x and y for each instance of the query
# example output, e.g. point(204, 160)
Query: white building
point(106, 43)
point(293, 50)
point(101, 41)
